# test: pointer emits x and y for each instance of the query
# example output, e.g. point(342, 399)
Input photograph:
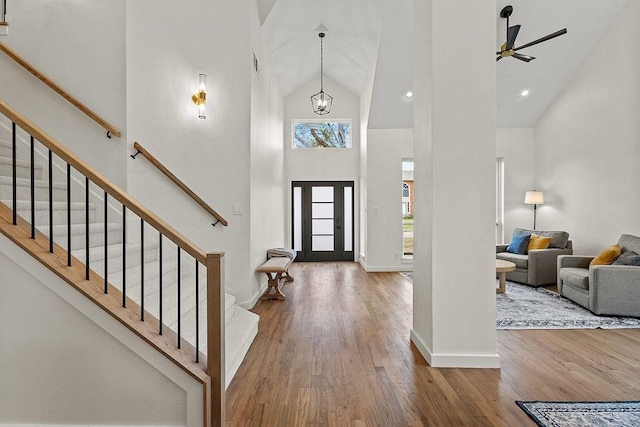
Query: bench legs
point(273, 287)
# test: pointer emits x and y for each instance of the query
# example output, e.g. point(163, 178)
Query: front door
point(322, 225)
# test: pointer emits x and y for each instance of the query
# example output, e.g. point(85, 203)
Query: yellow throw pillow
point(607, 256)
point(538, 242)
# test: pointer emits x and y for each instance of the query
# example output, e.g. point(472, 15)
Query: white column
point(454, 153)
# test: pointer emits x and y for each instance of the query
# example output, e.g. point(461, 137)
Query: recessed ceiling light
point(525, 92)
point(408, 95)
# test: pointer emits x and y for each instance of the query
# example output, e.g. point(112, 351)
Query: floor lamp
point(534, 198)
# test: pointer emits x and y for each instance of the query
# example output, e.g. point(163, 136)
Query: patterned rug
point(583, 414)
point(525, 307)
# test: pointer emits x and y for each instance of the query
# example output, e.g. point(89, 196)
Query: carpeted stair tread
point(23, 168)
point(24, 189)
point(59, 212)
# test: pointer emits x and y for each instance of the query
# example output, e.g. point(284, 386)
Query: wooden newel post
point(215, 336)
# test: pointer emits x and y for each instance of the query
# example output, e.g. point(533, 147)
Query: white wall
point(267, 157)
point(212, 156)
point(588, 144)
point(322, 164)
point(82, 48)
point(59, 367)
point(453, 301)
point(385, 152)
point(516, 147)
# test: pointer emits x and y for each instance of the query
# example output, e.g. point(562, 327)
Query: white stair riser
point(24, 191)
point(59, 216)
point(78, 240)
point(96, 258)
point(23, 169)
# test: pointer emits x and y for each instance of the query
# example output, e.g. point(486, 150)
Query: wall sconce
point(200, 98)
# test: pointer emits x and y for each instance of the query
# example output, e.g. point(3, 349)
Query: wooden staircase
point(140, 270)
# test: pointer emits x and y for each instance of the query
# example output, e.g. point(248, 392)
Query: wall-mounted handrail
point(111, 130)
point(155, 162)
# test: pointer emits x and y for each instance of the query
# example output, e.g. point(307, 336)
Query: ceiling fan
point(508, 47)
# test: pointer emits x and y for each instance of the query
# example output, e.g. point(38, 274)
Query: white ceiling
point(366, 33)
point(557, 59)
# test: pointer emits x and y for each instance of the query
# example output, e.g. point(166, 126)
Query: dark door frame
point(338, 254)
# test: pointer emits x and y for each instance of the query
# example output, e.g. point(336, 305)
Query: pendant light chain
point(321, 101)
point(321, 62)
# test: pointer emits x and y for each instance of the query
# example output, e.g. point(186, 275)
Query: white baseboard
point(385, 268)
point(454, 360)
point(248, 305)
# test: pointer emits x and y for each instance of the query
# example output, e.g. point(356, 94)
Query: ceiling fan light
point(525, 92)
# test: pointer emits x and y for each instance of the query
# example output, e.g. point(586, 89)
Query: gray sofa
point(538, 267)
point(612, 290)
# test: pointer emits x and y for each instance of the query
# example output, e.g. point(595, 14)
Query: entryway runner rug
point(583, 414)
point(526, 307)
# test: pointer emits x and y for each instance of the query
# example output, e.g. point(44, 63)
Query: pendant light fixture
point(321, 101)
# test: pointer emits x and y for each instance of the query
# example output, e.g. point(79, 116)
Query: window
point(316, 134)
point(407, 209)
point(499, 200)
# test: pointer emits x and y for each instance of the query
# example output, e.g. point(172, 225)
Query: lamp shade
point(534, 197)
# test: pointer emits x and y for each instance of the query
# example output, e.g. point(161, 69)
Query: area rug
point(583, 414)
point(525, 307)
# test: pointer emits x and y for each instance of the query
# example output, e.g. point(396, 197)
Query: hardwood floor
point(337, 352)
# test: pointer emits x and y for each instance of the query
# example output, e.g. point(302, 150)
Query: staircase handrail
point(111, 130)
point(162, 168)
point(213, 261)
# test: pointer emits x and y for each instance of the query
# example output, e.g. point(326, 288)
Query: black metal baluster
point(50, 201)
point(160, 289)
point(197, 314)
point(179, 297)
point(86, 226)
point(14, 173)
point(33, 193)
point(124, 256)
point(106, 240)
point(68, 215)
point(142, 269)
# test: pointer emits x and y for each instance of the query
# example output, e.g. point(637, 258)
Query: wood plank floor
point(337, 352)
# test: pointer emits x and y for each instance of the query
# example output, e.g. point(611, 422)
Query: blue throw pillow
point(519, 244)
point(628, 258)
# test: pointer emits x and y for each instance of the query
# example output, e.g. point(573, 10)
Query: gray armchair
point(612, 290)
point(537, 267)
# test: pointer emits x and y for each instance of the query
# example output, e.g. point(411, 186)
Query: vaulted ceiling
point(379, 33)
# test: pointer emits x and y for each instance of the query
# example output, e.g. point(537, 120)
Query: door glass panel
point(322, 194)
point(322, 210)
point(322, 226)
point(297, 218)
point(321, 243)
point(348, 219)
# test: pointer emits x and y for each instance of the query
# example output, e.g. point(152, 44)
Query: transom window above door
point(321, 134)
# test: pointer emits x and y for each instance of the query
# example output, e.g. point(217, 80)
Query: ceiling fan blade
point(512, 33)
point(543, 39)
point(525, 58)
point(498, 58)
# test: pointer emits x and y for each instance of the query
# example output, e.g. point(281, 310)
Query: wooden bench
point(275, 269)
